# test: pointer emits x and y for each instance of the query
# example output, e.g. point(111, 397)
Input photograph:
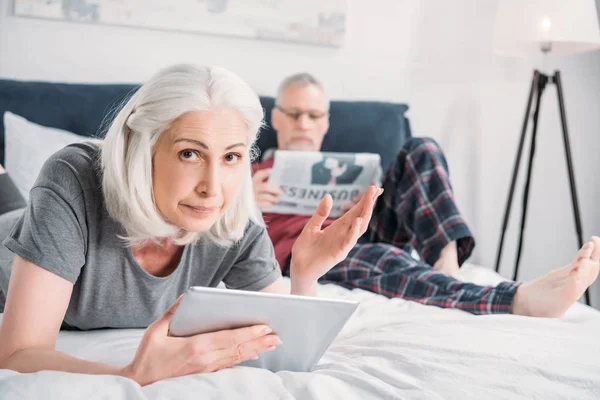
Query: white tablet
point(305, 325)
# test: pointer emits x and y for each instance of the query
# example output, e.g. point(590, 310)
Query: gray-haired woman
point(112, 237)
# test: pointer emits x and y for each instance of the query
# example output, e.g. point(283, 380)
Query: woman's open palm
point(317, 250)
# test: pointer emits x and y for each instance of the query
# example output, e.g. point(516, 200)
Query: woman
point(112, 237)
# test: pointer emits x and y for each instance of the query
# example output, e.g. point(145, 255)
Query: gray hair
point(302, 79)
point(130, 140)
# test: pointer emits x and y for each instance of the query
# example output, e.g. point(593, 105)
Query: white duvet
point(390, 349)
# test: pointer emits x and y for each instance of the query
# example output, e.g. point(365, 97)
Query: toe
point(586, 251)
point(596, 253)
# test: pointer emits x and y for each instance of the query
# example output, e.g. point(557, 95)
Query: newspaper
point(307, 176)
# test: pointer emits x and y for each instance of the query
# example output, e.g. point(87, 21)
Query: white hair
point(302, 79)
point(130, 140)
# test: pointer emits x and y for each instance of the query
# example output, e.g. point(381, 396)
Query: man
point(416, 212)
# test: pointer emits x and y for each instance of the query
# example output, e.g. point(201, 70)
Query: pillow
point(28, 146)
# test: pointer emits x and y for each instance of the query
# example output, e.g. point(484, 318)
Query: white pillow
point(28, 146)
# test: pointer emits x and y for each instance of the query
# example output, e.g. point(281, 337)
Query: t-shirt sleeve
point(256, 266)
point(51, 233)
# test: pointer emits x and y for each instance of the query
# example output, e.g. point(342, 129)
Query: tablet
point(305, 325)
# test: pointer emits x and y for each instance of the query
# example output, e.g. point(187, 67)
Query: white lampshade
point(523, 27)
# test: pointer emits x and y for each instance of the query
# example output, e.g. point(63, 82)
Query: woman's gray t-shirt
point(66, 229)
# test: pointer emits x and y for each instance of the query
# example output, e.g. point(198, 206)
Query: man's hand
point(266, 195)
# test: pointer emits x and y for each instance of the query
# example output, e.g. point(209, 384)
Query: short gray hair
point(130, 140)
point(302, 79)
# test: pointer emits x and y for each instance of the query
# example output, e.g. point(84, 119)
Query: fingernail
point(266, 331)
point(278, 342)
point(270, 348)
point(254, 357)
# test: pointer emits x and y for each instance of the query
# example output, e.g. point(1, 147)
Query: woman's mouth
point(201, 210)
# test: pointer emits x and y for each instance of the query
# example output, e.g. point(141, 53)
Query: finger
point(353, 234)
point(357, 209)
point(596, 244)
point(263, 205)
point(225, 363)
point(231, 338)
point(225, 358)
point(364, 208)
point(161, 325)
point(267, 198)
point(232, 361)
point(345, 207)
point(262, 175)
point(321, 214)
point(369, 200)
point(272, 189)
point(228, 362)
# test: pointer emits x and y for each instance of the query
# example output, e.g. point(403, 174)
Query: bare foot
point(552, 295)
point(447, 264)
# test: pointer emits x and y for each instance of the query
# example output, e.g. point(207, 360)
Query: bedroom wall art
point(318, 22)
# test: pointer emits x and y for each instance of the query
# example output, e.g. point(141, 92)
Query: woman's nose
point(209, 182)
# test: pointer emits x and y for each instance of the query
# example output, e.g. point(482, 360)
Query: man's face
point(301, 118)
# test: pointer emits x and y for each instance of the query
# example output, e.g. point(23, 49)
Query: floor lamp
point(552, 27)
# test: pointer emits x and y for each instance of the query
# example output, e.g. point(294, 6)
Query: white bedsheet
point(389, 349)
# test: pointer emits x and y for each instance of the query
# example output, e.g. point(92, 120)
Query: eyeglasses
point(296, 114)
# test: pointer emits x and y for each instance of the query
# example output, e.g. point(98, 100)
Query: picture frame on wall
point(315, 22)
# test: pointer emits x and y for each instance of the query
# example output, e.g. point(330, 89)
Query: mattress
point(390, 349)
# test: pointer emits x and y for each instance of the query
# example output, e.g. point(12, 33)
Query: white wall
point(435, 55)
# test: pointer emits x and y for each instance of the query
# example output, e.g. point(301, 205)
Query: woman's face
point(198, 165)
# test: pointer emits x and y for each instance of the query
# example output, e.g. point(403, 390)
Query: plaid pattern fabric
point(417, 211)
point(392, 272)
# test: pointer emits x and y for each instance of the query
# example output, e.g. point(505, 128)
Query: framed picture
point(319, 22)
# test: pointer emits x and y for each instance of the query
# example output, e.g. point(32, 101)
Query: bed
point(390, 348)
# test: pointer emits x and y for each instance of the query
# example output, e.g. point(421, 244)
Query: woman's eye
point(232, 158)
point(188, 155)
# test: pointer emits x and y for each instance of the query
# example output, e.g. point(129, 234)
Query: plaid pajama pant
point(417, 211)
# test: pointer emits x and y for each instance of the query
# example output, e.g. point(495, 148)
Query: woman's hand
point(316, 251)
point(354, 201)
point(160, 356)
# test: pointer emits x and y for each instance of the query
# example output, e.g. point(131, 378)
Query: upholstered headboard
point(355, 126)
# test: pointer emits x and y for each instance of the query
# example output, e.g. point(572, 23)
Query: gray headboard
point(355, 126)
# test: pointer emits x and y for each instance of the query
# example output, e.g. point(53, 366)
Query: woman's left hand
point(317, 250)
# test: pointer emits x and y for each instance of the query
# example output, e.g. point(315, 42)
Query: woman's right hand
point(160, 356)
